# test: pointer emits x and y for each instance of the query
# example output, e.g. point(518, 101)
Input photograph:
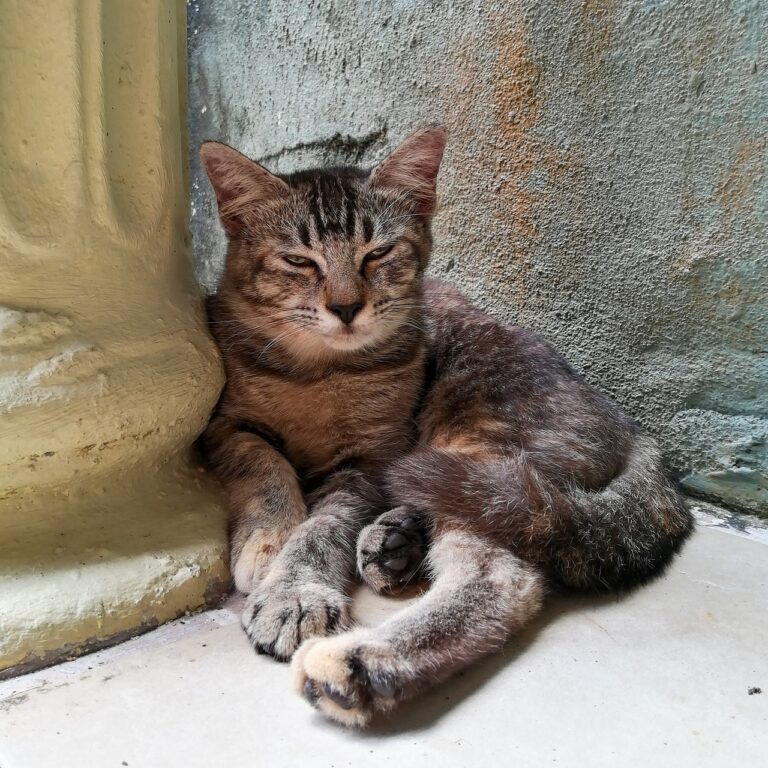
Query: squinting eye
point(298, 261)
point(378, 253)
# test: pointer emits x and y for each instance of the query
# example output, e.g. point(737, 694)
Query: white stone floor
point(658, 678)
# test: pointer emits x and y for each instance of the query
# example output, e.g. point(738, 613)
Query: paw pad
point(391, 551)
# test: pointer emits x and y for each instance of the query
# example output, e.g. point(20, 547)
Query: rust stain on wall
point(531, 169)
point(745, 171)
point(497, 102)
point(514, 81)
point(596, 30)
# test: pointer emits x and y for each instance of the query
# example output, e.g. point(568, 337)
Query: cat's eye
point(378, 253)
point(298, 261)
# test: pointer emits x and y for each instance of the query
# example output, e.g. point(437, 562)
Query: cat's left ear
point(412, 168)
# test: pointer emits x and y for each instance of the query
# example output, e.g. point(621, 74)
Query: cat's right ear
point(240, 184)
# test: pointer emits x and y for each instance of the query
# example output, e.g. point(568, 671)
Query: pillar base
point(85, 567)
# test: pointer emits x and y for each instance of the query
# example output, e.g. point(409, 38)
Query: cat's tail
point(617, 536)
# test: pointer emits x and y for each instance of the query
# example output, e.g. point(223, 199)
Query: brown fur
point(371, 416)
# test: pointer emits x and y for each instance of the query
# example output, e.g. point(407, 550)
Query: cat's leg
point(265, 500)
point(481, 595)
point(391, 550)
point(304, 593)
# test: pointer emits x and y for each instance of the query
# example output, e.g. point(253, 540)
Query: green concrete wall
point(605, 182)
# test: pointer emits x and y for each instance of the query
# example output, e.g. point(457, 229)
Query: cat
point(374, 420)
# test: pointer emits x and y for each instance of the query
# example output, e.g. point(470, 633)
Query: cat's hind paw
point(391, 551)
point(348, 678)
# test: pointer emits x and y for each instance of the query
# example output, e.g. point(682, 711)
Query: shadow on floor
point(425, 710)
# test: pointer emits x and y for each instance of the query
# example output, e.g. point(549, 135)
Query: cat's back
point(511, 372)
point(463, 338)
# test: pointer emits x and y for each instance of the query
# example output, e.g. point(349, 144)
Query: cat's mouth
point(345, 338)
point(348, 338)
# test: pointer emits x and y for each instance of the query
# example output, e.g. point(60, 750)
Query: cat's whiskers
point(279, 338)
point(295, 323)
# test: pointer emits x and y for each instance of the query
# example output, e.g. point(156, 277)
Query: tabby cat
point(374, 421)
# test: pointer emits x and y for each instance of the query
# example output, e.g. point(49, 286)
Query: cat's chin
point(346, 341)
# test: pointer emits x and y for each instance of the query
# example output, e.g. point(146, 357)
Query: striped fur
point(375, 420)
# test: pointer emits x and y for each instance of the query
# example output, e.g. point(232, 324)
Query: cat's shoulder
point(442, 298)
point(455, 324)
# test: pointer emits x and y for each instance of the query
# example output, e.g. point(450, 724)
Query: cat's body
point(414, 418)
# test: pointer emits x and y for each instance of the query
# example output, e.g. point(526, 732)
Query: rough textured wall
point(605, 180)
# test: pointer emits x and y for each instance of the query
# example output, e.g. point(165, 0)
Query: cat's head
point(327, 262)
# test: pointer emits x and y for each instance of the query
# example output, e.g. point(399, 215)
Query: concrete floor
point(658, 678)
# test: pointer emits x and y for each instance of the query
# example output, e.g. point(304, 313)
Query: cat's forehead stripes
point(340, 207)
point(333, 207)
point(351, 217)
point(367, 229)
point(303, 230)
point(316, 212)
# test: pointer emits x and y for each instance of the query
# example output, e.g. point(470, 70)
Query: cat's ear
point(240, 184)
point(413, 167)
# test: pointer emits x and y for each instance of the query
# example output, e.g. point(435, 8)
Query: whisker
point(280, 337)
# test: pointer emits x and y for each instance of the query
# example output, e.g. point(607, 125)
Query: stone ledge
point(710, 515)
point(107, 563)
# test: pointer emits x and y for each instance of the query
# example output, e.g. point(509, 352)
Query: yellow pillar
point(106, 371)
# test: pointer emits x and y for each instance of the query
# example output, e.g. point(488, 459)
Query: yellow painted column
point(107, 373)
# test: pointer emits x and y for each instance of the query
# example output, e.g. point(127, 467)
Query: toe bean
point(394, 540)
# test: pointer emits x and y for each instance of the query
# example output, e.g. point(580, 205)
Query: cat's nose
point(346, 312)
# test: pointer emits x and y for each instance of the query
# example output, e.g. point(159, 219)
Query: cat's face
point(330, 261)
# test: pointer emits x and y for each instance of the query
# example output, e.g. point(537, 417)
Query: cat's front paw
point(250, 563)
point(277, 618)
point(350, 678)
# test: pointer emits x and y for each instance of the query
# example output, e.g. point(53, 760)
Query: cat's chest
point(338, 417)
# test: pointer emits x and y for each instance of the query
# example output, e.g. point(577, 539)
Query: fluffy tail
point(617, 536)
